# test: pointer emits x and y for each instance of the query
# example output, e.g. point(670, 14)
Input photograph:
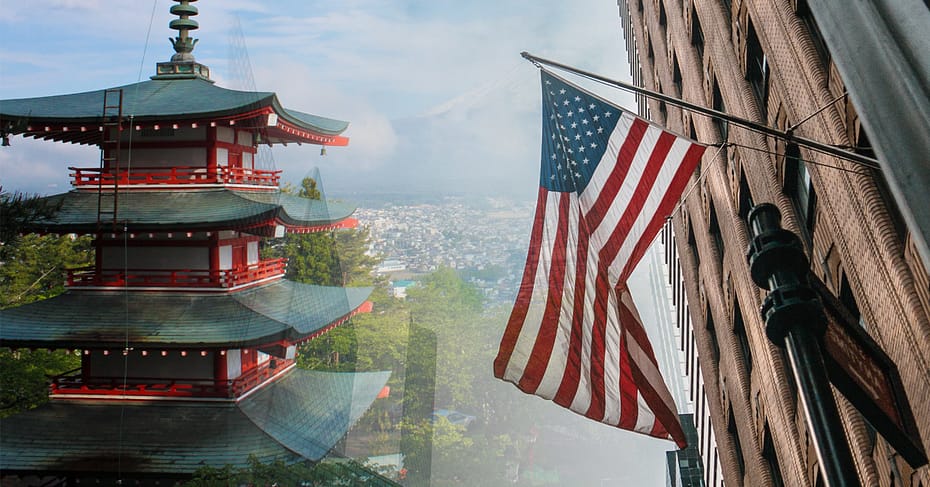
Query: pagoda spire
point(182, 64)
point(183, 43)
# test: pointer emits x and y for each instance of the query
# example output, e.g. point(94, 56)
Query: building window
point(712, 337)
point(739, 331)
point(745, 197)
point(720, 107)
point(820, 45)
point(714, 229)
point(757, 69)
point(799, 188)
point(737, 447)
point(768, 453)
point(728, 9)
point(692, 245)
point(697, 33)
point(849, 301)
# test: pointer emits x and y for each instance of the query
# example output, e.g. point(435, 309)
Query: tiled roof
point(179, 99)
point(279, 310)
point(190, 210)
point(300, 416)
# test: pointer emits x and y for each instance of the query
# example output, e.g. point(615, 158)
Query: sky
point(438, 97)
point(436, 93)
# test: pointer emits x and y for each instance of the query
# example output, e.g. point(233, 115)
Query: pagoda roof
point(300, 416)
point(192, 210)
point(282, 310)
point(68, 117)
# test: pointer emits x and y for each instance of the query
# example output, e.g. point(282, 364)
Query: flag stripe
point(540, 297)
point(603, 190)
point(607, 255)
point(542, 349)
point(525, 294)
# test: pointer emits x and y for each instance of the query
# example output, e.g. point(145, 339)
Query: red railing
point(181, 278)
point(72, 382)
point(174, 175)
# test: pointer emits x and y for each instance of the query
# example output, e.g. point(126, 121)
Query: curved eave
point(77, 117)
point(301, 415)
point(282, 310)
point(201, 210)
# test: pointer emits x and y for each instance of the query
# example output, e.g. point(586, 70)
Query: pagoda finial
point(182, 64)
point(183, 43)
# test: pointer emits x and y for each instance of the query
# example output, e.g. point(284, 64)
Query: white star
point(564, 177)
point(593, 145)
point(589, 133)
point(607, 114)
point(585, 121)
point(553, 156)
point(551, 117)
point(581, 149)
point(596, 118)
point(558, 146)
point(569, 114)
point(552, 177)
point(577, 98)
point(551, 93)
point(570, 151)
point(580, 110)
point(577, 136)
point(562, 91)
point(565, 102)
point(548, 82)
point(591, 106)
point(558, 115)
point(574, 125)
point(585, 161)
point(559, 167)
point(577, 174)
point(553, 136)
point(562, 127)
point(600, 130)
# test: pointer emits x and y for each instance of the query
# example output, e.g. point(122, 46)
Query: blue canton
point(576, 128)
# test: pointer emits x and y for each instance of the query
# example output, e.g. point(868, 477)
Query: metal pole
point(715, 114)
point(794, 319)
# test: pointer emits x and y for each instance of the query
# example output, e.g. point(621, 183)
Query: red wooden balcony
point(221, 175)
point(180, 278)
point(72, 382)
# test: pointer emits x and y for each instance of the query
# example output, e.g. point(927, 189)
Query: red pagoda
point(187, 336)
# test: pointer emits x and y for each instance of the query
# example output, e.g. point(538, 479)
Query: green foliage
point(24, 376)
point(16, 211)
point(36, 267)
point(305, 474)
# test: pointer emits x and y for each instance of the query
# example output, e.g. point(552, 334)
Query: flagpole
point(739, 121)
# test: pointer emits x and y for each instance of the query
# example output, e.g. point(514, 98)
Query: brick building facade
point(765, 60)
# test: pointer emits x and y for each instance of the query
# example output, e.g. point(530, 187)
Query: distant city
point(484, 239)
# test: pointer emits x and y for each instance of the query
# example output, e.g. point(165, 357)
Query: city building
point(187, 337)
point(766, 61)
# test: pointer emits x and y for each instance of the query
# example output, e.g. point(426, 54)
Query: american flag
point(608, 181)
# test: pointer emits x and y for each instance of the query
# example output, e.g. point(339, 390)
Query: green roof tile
point(179, 99)
point(190, 210)
point(280, 310)
point(301, 415)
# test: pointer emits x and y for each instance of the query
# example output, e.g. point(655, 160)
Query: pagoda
point(187, 336)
